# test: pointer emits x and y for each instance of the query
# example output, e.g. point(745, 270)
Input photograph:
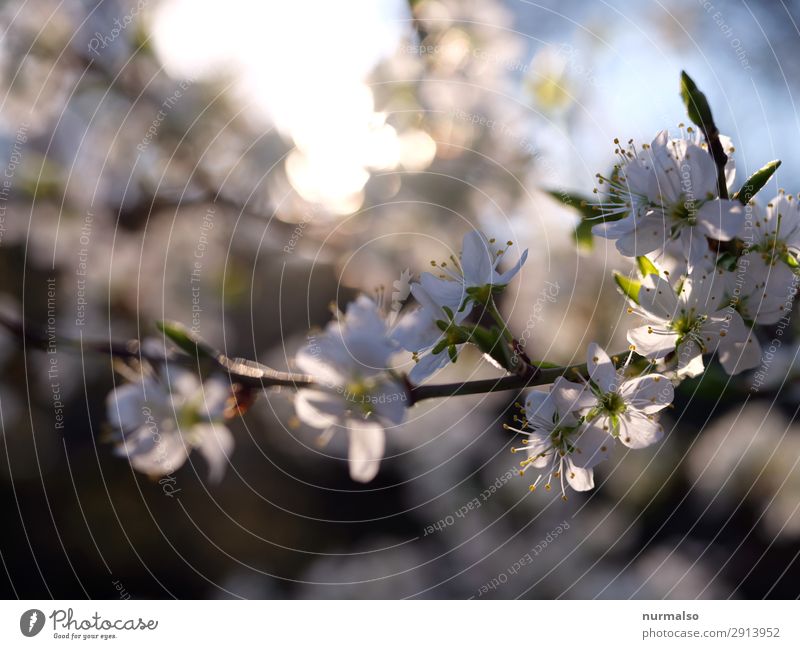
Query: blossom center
point(685, 212)
point(612, 403)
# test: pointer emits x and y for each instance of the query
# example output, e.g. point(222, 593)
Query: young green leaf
point(186, 339)
point(646, 267)
point(590, 214)
point(756, 182)
point(629, 287)
point(696, 103)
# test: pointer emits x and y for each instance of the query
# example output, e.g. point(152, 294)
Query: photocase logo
point(31, 622)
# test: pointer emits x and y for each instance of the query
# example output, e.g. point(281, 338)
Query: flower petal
point(579, 478)
point(416, 330)
point(427, 366)
point(367, 445)
point(540, 409)
point(439, 292)
point(656, 296)
point(601, 369)
point(721, 219)
point(570, 397)
point(637, 431)
point(166, 456)
point(477, 260)
point(648, 394)
point(215, 443)
point(651, 342)
point(506, 277)
point(319, 409)
point(592, 445)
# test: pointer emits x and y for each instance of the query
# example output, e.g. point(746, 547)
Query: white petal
point(319, 409)
point(580, 479)
point(539, 448)
point(182, 382)
point(427, 366)
point(477, 260)
point(690, 360)
point(124, 406)
point(570, 397)
point(656, 296)
point(601, 369)
point(439, 292)
point(316, 360)
point(165, 457)
point(540, 407)
point(215, 443)
point(213, 397)
point(506, 277)
point(721, 219)
point(649, 393)
point(695, 248)
point(737, 357)
point(649, 234)
point(367, 444)
point(390, 402)
point(651, 343)
point(638, 431)
point(592, 446)
point(417, 330)
point(363, 315)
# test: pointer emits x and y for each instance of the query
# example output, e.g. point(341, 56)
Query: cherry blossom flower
point(668, 191)
point(692, 319)
point(418, 332)
point(622, 407)
point(350, 362)
point(760, 292)
point(158, 421)
point(558, 440)
point(471, 279)
point(777, 231)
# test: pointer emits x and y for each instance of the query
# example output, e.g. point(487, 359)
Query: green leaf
point(579, 203)
point(629, 287)
point(756, 182)
point(696, 103)
point(646, 267)
point(590, 214)
point(186, 339)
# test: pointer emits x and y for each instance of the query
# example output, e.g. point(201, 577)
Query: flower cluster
point(711, 269)
point(573, 427)
point(351, 361)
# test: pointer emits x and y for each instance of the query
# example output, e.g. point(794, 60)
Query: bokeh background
point(301, 152)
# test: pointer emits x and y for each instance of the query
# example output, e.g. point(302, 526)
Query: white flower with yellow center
point(158, 421)
point(559, 441)
point(458, 286)
point(690, 320)
point(668, 191)
point(624, 407)
point(356, 393)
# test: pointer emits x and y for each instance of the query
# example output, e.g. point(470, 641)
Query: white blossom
point(461, 283)
point(158, 421)
point(692, 319)
point(668, 191)
point(356, 393)
point(624, 407)
point(557, 439)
